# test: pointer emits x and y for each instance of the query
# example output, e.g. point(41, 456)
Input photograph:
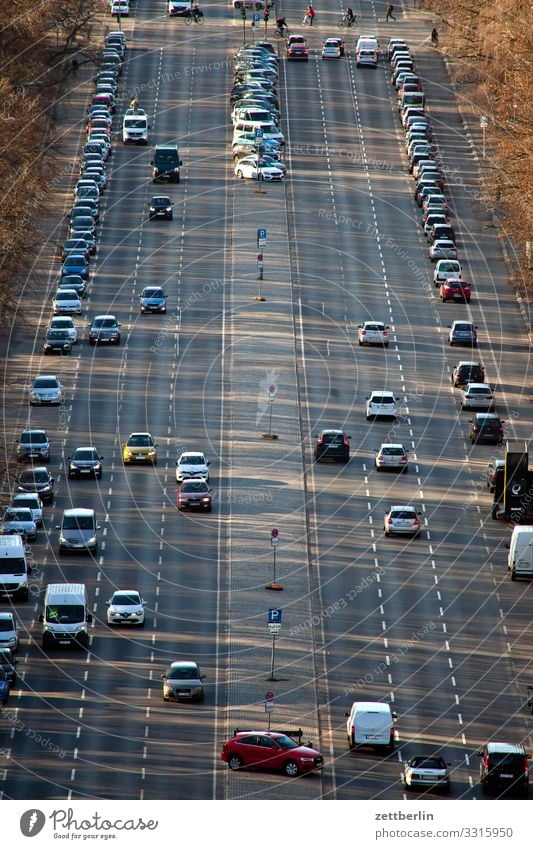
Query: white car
point(267, 160)
point(477, 396)
point(442, 249)
point(9, 638)
point(126, 607)
point(331, 49)
point(401, 519)
point(373, 333)
point(120, 7)
point(381, 404)
point(426, 771)
point(192, 464)
point(391, 455)
point(446, 268)
point(252, 4)
point(19, 520)
point(46, 389)
point(179, 7)
point(65, 322)
point(32, 501)
point(249, 171)
point(66, 301)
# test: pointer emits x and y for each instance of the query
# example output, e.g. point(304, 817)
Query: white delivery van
point(367, 50)
point(65, 615)
point(135, 127)
point(371, 724)
point(14, 568)
point(520, 558)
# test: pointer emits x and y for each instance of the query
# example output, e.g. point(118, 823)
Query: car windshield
point(67, 614)
point(285, 742)
point(12, 566)
point(140, 441)
point(84, 454)
point(153, 293)
point(402, 514)
point(194, 486)
point(393, 450)
point(137, 123)
point(34, 476)
point(45, 383)
point(78, 523)
point(126, 598)
point(427, 763)
point(34, 437)
point(193, 460)
point(104, 322)
point(21, 515)
point(6, 625)
point(185, 673)
point(166, 157)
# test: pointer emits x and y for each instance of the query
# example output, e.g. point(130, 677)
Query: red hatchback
point(298, 51)
point(194, 494)
point(270, 750)
point(454, 289)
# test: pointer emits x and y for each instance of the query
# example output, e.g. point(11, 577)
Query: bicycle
point(348, 22)
point(198, 18)
point(308, 21)
point(282, 33)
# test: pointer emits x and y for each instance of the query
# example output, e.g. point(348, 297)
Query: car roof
point(139, 433)
point(479, 385)
point(332, 430)
point(105, 315)
point(402, 507)
point(467, 363)
point(491, 417)
point(6, 614)
point(78, 511)
point(391, 445)
point(506, 748)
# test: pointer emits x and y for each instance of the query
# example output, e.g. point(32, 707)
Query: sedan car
point(84, 463)
point(486, 427)
point(19, 520)
point(104, 329)
point(39, 480)
point(247, 170)
point(126, 607)
point(190, 465)
point(33, 444)
point(297, 52)
point(391, 455)
point(381, 404)
point(446, 268)
point(75, 282)
point(332, 445)
point(9, 638)
point(46, 389)
point(153, 299)
point(454, 289)
point(463, 333)
point(140, 448)
point(373, 333)
point(467, 372)
point(477, 396)
point(75, 246)
point(426, 771)
point(183, 681)
point(270, 750)
point(57, 342)
point(160, 207)
point(65, 322)
point(442, 249)
point(194, 495)
point(401, 519)
point(66, 302)
point(267, 159)
point(32, 502)
point(331, 49)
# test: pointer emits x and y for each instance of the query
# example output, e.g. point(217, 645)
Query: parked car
point(33, 444)
point(36, 479)
point(32, 502)
point(19, 520)
point(9, 638)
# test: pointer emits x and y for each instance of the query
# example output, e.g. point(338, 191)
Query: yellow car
point(140, 448)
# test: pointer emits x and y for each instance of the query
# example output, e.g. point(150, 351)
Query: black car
point(504, 766)
point(57, 342)
point(332, 444)
point(486, 427)
point(85, 462)
point(73, 281)
point(8, 663)
point(37, 479)
point(160, 207)
point(33, 444)
point(467, 372)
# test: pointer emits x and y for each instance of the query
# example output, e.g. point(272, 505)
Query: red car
point(298, 51)
point(455, 290)
point(270, 750)
point(194, 494)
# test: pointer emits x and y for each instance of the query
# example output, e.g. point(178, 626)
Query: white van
point(135, 127)
point(520, 558)
point(14, 568)
point(367, 50)
point(65, 615)
point(371, 724)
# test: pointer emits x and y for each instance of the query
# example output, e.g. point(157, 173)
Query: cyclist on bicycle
point(281, 25)
point(350, 17)
point(197, 13)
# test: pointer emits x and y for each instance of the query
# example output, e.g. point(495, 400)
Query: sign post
point(274, 628)
point(483, 123)
point(274, 542)
point(269, 705)
point(272, 391)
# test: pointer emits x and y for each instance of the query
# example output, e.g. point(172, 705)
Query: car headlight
point(139, 612)
point(91, 541)
point(206, 500)
point(307, 760)
point(168, 209)
point(112, 611)
point(61, 539)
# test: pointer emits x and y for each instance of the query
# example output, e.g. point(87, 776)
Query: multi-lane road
point(433, 624)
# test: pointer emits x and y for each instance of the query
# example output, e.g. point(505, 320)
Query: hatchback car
point(402, 519)
point(332, 445)
point(75, 282)
point(57, 342)
point(140, 448)
point(126, 607)
point(331, 49)
point(297, 52)
point(183, 681)
point(78, 530)
point(454, 289)
point(391, 455)
point(104, 329)
point(84, 463)
point(486, 427)
point(39, 480)
point(8, 631)
point(33, 444)
point(373, 333)
point(160, 207)
point(65, 322)
point(504, 767)
point(32, 502)
point(153, 299)
point(66, 302)
point(270, 750)
point(76, 246)
point(190, 465)
point(477, 396)
point(194, 495)
point(426, 771)
point(46, 389)
point(463, 333)
point(442, 249)
point(381, 404)
point(19, 520)
point(467, 372)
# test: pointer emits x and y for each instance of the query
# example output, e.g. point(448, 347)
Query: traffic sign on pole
point(261, 233)
point(274, 614)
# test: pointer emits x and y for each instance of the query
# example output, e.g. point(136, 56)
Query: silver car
point(19, 520)
point(31, 501)
point(477, 396)
point(402, 519)
point(442, 249)
point(46, 389)
point(183, 682)
point(391, 455)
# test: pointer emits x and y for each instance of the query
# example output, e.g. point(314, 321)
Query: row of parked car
point(257, 141)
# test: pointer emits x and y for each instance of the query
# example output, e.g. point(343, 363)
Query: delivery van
point(520, 558)
point(65, 616)
point(135, 127)
point(14, 568)
point(367, 50)
point(371, 724)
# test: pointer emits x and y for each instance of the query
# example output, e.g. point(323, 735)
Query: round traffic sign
point(272, 388)
point(274, 532)
point(269, 696)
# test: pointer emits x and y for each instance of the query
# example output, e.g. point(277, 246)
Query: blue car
point(4, 687)
point(76, 264)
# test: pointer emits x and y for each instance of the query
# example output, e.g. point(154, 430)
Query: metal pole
point(270, 431)
point(274, 581)
point(483, 147)
point(272, 658)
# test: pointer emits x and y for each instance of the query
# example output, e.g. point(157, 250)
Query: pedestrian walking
point(390, 10)
point(435, 37)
